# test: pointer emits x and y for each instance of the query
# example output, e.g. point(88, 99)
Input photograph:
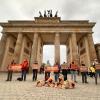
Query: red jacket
point(25, 65)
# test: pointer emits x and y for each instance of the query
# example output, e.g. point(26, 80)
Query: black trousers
point(64, 72)
point(47, 75)
point(9, 77)
point(35, 74)
point(84, 77)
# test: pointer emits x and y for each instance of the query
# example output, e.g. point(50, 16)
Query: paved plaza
point(27, 90)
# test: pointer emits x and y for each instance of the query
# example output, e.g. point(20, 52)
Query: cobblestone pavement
point(27, 90)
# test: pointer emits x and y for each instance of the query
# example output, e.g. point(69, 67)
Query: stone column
point(41, 54)
point(74, 48)
point(34, 49)
point(57, 47)
point(5, 53)
point(91, 47)
point(70, 50)
point(66, 52)
point(18, 47)
point(2, 46)
point(22, 49)
point(39, 51)
point(87, 51)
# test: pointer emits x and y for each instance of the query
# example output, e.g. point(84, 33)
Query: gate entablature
point(46, 30)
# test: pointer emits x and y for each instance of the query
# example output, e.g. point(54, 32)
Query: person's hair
point(83, 64)
point(13, 62)
point(56, 63)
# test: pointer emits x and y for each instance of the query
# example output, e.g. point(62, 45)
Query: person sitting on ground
point(40, 83)
point(49, 82)
point(71, 84)
point(61, 79)
point(59, 85)
point(66, 84)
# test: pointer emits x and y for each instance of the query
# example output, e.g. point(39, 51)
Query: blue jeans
point(24, 75)
point(56, 77)
point(73, 75)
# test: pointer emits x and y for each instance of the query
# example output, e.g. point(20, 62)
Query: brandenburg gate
point(23, 39)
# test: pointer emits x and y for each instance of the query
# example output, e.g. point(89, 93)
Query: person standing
point(10, 71)
point(47, 72)
point(92, 70)
point(84, 71)
point(73, 68)
point(24, 69)
point(64, 70)
point(35, 70)
point(56, 73)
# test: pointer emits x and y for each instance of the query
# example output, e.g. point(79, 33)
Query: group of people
point(59, 84)
point(24, 69)
point(64, 70)
point(60, 69)
point(74, 70)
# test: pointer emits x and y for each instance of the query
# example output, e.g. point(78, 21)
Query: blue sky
point(67, 10)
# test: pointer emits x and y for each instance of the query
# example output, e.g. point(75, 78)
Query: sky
point(67, 10)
